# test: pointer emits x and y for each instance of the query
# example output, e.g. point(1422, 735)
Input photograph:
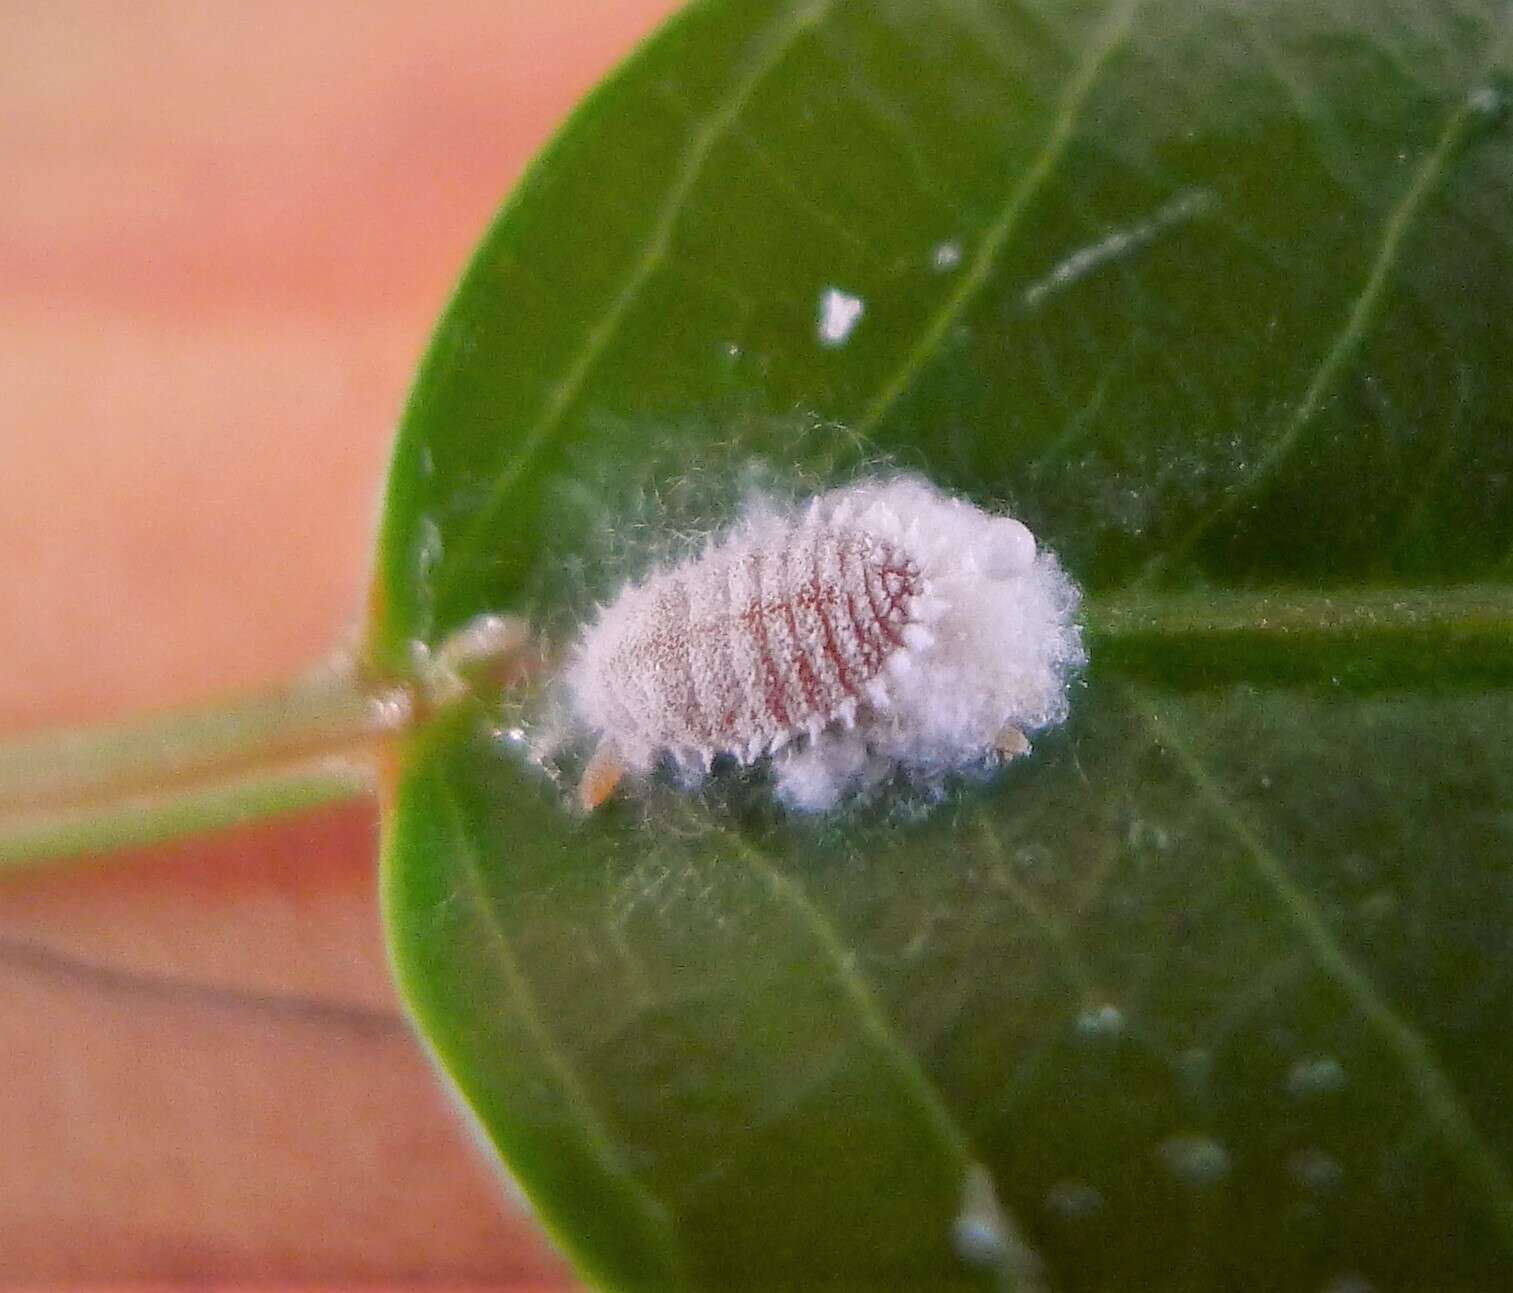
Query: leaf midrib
point(1483, 610)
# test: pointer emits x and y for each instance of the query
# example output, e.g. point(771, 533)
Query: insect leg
point(1011, 742)
point(601, 776)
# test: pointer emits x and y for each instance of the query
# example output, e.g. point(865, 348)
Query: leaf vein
point(892, 121)
point(862, 999)
point(997, 235)
point(1476, 1159)
point(785, 185)
point(798, 19)
point(1468, 114)
point(656, 1217)
point(1052, 930)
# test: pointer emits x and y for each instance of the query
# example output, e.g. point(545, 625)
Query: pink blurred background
point(225, 233)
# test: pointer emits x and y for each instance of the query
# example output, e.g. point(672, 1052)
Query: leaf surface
point(1209, 992)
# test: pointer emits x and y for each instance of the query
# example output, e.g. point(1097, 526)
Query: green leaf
point(1211, 991)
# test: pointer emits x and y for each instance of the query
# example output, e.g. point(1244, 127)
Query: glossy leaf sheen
point(1213, 988)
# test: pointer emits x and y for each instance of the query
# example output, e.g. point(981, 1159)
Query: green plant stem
point(326, 711)
point(31, 839)
point(295, 747)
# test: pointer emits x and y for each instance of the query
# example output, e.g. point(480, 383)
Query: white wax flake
point(1196, 1160)
point(1487, 101)
point(986, 1237)
point(1100, 1022)
point(839, 313)
point(979, 1232)
point(1188, 205)
point(1318, 1075)
point(884, 627)
point(945, 257)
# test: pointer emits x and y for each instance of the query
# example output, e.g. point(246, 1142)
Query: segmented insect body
point(761, 640)
point(886, 623)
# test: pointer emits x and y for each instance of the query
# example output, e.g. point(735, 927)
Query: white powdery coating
point(886, 625)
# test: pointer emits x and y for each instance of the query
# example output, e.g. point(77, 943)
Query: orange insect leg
point(601, 776)
point(1011, 742)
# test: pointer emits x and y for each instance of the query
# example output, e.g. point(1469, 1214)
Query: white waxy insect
point(884, 625)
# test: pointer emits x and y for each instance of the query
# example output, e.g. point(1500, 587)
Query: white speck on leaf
point(839, 313)
point(1320, 1075)
point(1195, 1160)
point(945, 257)
point(986, 1237)
point(1098, 1022)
